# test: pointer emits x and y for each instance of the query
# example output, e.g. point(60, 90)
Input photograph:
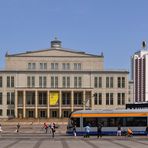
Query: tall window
point(77, 82)
point(10, 112)
point(66, 66)
point(1, 81)
point(31, 66)
point(66, 82)
point(30, 98)
point(109, 99)
point(1, 98)
point(98, 82)
point(121, 99)
point(1, 112)
point(121, 82)
point(10, 81)
point(78, 97)
point(54, 66)
point(43, 66)
point(77, 66)
point(42, 98)
point(42, 81)
point(54, 81)
point(31, 81)
point(10, 98)
point(98, 99)
point(66, 98)
point(109, 82)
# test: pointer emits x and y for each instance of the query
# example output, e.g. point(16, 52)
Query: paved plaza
point(34, 136)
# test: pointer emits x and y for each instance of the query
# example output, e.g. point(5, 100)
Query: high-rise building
point(140, 74)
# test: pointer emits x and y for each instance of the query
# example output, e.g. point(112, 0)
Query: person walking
point(99, 130)
point(52, 126)
point(18, 128)
point(1, 129)
point(74, 131)
point(87, 131)
point(129, 132)
point(46, 127)
point(119, 131)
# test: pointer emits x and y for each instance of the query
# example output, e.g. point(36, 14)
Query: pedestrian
point(1, 129)
point(18, 128)
point(74, 131)
point(119, 131)
point(99, 130)
point(46, 127)
point(129, 132)
point(146, 130)
point(87, 131)
point(52, 126)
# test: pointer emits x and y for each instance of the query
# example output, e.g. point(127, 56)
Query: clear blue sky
point(114, 27)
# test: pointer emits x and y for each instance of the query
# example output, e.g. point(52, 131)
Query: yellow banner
point(53, 98)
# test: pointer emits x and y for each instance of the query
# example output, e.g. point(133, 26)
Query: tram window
point(76, 121)
point(91, 121)
point(112, 121)
point(136, 121)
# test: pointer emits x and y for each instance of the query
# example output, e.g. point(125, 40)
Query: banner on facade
point(53, 98)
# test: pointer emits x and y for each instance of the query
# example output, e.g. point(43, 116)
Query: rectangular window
point(54, 81)
point(66, 66)
point(95, 82)
point(107, 82)
point(54, 66)
point(30, 81)
point(119, 82)
point(66, 98)
point(77, 66)
point(121, 99)
point(42, 98)
point(10, 98)
point(123, 82)
point(77, 82)
point(31, 66)
point(98, 99)
point(43, 66)
point(42, 81)
point(66, 82)
point(30, 98)
point(10, 112)
point(78, 97)
point(1, 81)
point(109, 98)
point(111, 82)
point(10, 81)
point(1, 98)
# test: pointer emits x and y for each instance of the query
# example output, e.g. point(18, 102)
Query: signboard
point(53, 98)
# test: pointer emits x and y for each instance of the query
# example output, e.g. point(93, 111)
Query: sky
point(114, 27)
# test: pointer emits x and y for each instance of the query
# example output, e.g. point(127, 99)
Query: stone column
point(48, 111)
point(24, 104)
point(16, 104)
point(36, 104)
point(84, 100)
point(72, 101)
point(60, 105)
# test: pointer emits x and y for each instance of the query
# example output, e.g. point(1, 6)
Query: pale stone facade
point(77, 79)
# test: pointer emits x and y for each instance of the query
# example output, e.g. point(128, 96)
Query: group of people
point(120, 132)
point(51, 126)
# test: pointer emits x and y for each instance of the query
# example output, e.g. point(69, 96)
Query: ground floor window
point(10, 112)
point(42, 114)
point(1, 112)
point(66, 114)
point(54, 114)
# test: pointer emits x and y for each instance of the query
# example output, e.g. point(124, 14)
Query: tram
point(136, 119)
